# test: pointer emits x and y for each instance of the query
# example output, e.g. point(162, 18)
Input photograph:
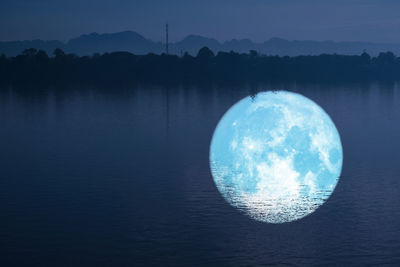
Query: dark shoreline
point(37, 67)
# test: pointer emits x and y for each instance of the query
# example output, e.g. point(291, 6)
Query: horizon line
point(202, 36)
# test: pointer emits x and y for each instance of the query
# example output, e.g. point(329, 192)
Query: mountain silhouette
point(193, 43)
point(130, 41)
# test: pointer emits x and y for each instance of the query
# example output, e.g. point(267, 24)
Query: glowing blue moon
point(277, 156)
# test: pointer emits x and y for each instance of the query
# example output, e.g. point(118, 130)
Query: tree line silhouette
point(36, 66)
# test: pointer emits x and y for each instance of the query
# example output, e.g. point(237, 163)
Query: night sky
point(258, 20)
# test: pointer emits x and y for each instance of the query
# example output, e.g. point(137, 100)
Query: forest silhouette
point(36, 66)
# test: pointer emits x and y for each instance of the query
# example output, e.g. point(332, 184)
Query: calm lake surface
point(119, 176)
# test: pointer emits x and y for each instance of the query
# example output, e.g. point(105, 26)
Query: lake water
point(119, 176)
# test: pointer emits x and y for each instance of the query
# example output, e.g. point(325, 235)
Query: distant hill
point(193, 43)
point(135, 43)
point(110, 42)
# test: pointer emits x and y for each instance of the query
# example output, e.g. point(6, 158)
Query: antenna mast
point(166, 38)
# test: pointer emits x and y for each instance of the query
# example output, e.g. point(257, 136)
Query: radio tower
point(166, 38)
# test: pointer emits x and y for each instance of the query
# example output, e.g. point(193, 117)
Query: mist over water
point(120, 176)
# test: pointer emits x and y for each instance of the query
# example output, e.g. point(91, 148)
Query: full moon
point(276, 156)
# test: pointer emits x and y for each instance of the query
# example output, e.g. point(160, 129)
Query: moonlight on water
point(276, 157)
